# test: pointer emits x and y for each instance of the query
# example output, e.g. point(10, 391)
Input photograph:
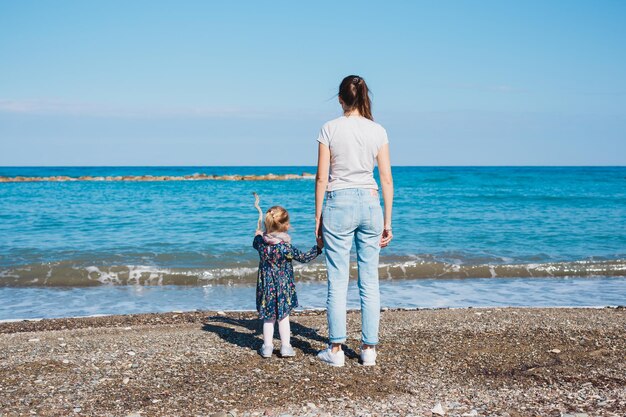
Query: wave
point(65, 274)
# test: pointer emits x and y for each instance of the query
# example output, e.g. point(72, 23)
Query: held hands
point(385, 239)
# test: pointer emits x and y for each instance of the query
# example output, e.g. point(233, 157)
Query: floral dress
point(276, 289)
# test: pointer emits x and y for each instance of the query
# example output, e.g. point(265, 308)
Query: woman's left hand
point(385, 239)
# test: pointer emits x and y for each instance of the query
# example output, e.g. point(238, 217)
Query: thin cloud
point(495, 88)
point(509, 89)
point(69, 108)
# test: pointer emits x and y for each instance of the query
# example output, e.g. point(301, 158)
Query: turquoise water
point(457, 222)
point(26, 303)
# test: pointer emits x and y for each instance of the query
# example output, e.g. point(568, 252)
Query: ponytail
point(276, 218)
point(354, 93)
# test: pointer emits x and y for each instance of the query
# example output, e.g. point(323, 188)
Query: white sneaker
point(266, 351)
point(368, 356)
point(333, 359)
point(286, 351)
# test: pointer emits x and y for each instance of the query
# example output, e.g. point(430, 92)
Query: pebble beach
point(445, 362)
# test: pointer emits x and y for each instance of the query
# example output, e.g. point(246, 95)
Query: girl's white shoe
point(333, 359)
point(286, 351)
point(368, 356)
point(266, 351)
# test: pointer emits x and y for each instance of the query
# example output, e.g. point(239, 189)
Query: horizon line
point(308, 166)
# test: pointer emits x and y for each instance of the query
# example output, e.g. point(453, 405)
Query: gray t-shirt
point(354, 143)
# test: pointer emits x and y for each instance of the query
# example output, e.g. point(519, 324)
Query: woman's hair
point(276, 218)
point(354, 93)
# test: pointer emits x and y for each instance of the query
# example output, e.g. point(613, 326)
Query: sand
point(459, 362)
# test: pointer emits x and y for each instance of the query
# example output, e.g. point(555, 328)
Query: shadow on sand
point(302, 337)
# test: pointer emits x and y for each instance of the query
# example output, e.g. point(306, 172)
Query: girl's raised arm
point(257, 199)
point(256, 243)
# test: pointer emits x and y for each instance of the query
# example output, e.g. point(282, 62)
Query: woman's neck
point(352, 112)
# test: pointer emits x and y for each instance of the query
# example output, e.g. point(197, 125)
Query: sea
point(463, 237)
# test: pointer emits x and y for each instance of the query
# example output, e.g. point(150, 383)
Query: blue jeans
point(353, 213)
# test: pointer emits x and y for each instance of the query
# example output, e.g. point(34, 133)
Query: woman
point(348, 150)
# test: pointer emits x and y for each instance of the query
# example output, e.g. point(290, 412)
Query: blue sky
point(250, 83)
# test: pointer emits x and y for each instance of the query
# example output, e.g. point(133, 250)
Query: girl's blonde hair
point(276, 219)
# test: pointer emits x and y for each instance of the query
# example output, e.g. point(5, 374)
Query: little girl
point(276, 290)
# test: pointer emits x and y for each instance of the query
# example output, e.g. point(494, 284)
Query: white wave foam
point(66, 274)
point(212, 274)
point(136, 275)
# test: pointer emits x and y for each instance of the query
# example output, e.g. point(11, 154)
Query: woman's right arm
point(386, 181)
point(321, 182)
